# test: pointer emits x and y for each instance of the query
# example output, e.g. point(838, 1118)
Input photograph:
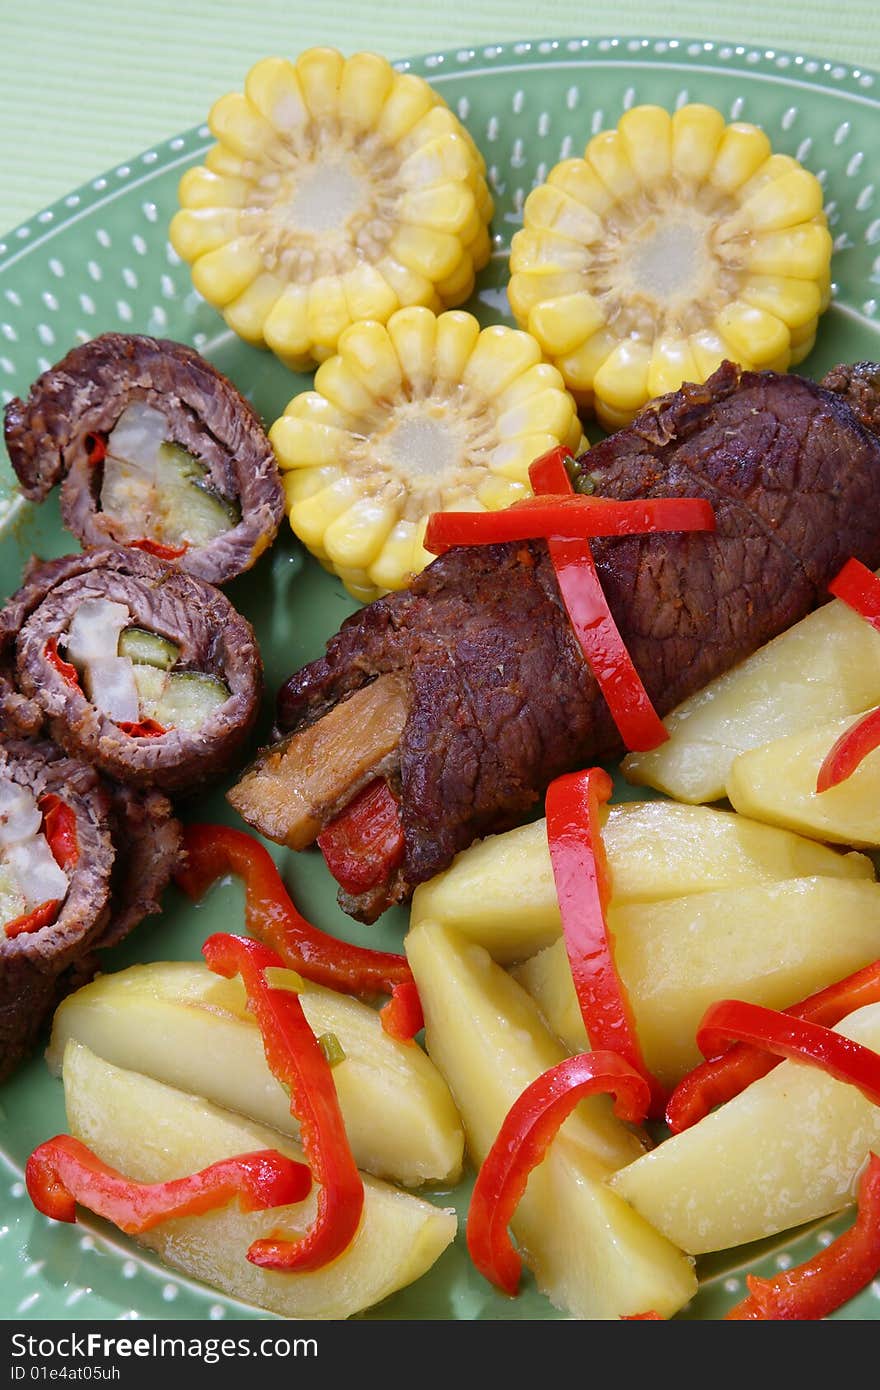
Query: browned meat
point(212, 637)
point(82, 398)
point(500, 698)
point(120, 838)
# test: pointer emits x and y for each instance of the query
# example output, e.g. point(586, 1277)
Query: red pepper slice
point(733, 1020)
point(34, 920)
point(583, 887)
point(296, 1059)
point(529, 1128)
point(364, 845)
point(270, 915)
point(96, 449)
point(63, 1172)
point(67, 672)
point(159, 549)
point(721, 1078)
point(572, 518)
point(853, 746)
point(637, 721)
point(143, 728)
point(859, 588)
point(817, 1287)
point(402, 1016)
point(59, 828)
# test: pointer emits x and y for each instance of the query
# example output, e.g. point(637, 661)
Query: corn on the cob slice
point(675, 242)
point(421, 414)
point(339, 190)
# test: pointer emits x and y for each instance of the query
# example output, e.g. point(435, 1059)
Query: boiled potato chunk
point(152, 1132)
point(771, 945)
point(500, 892)
point(823, 668)
point(789, 1149)
point(777, 783)
point(592, 1256)
point(180, 1023)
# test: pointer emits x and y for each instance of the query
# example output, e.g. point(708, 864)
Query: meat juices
point(150, 444)
point(208, 646)
point(125, 847)
point(499, 698)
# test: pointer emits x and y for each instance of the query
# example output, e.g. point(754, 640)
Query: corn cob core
point(427, 413)
point(339, 190)
point(675, 242)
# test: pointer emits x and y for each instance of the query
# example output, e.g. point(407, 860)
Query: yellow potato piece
point(771, 945)
point(500, 892)
point(153, 1133)
point(789, 1149)
point(180, 1024)
point(593, 1257)
point(777, 783)
point(824, 667)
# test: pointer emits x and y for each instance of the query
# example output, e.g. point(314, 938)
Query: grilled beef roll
point(81, 863)
point(468, 693)
point(154, 448)
point(141, 669)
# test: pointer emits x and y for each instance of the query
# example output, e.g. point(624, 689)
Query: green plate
point(99, 260)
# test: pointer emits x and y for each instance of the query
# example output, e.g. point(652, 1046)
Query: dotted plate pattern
point(99, 260)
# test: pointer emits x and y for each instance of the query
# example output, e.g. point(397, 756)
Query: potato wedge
point(181, 1024)
point(589, 1255)
point(153, 1133)
point(777, 783)
point(824, 667)
point(500, 892)
point(789, 1149)
point(771, 945)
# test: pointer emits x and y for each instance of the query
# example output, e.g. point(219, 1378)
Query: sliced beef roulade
point(143, 670)
point(68, 879)
point(153, 447)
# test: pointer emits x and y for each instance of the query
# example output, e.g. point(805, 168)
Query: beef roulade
point(154, 448)
point(80, 865)
point(141, 669)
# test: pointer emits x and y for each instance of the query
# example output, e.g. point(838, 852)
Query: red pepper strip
point(296, 1059)
point(214, 850)
point(34, 920)
point(402, 1016)
point(859, 588)
point(583, 887)
point(59, 828)
point(162, 552)
point(63, 1172)
point(642, 1317)
point(817, 1287)
point(853, 746)
point(364, 845)
point(144, 728)
point(571, 518)
point(721, 1078)
point(67, 672)
point(529, 1128)
point(96, 447)
point(637, 721)
point(733, 1020)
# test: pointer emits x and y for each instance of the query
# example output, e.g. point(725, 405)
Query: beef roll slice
point(153, 448)
point(468, 692)
point(139, 668)
point(80, 865)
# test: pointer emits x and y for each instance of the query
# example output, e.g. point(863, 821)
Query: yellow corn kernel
point(392, 567)
point(320, 74)
point(239, 126)
point(219, 159)
point(552, 210)
point(796, 302)
point(672, 362)
point(479, 249)
point(579, 181)
point(328, 311)
point(311, 405)
point(370, 353)
point(709, 350)
point(273, 88)
point(433, 255)
point(409, 287)
point(355, 537)
point(801, 252)
point(366, 81)
point(542, 377)
point(300, 483)
point(368, 294)
point(696, 135)
point(356, 581)
point(561, 325)
point(202, 188)
point(413, 333)
point(501, 355)
point(444, 207)
point(458, 286)
point(300, 443)
point(286, 329)
point(336, 380)
point(647, 136)
point(496, 492)
point(794, 197)
point(225, 273)
point(804, 345)
point(311, 517)
point(607, 154)
point(195, 231)
point(247, 314)
point(406, 103)
point(768, 172)
point(742, 151)
point(549, 412)
point(622, 380)
point(544, 251)
point(753, 333)
point(528, 288)
point(579, 368)
point(511, 459)
point(457, 334)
